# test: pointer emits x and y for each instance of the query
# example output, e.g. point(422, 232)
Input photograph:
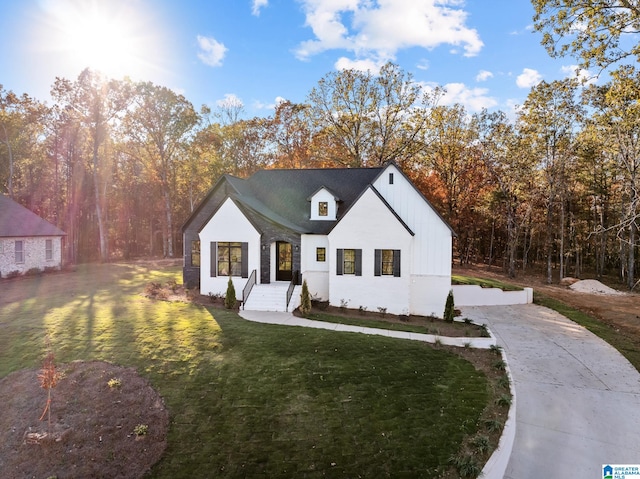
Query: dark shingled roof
point(18, 221)
point(283, 196)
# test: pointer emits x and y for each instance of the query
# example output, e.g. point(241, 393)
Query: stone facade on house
point(35, 254)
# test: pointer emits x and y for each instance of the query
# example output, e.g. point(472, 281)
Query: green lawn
point(484, 282)
point(253, 400)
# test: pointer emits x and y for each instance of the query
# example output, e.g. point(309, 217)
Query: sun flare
point(105, 35)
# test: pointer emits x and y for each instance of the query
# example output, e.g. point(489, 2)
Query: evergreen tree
point(449, 308)
point(305, 299)
point(230, 297)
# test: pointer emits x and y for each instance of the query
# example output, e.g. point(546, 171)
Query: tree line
point(120, 165)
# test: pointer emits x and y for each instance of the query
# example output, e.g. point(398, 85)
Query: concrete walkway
point(578, 399)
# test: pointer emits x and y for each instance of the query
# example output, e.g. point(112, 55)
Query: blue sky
point(483, 52)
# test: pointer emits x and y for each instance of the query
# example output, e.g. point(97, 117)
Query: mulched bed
point(92, 424)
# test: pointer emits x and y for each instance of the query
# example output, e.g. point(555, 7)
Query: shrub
point(114, 383)
point(141, 430)
point(155, 290)
point(496, 349)
point(230, 297)
point(466, 464)
point(305, 299)
point(482, 444)
point(48, 377)
point(33, 272)
point(493, 425)
point(449, 309)
point(500, 365)
point(173, 285)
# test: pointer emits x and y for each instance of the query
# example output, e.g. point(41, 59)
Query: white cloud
point(212, 52)
point(379, 29)
point(230, 100)
point(257, 5)
point(423, 65)
point(258, 105)
point(528, 78)
point(584, 76)
point(372, 66)
point(473, 99)
point(483, 75)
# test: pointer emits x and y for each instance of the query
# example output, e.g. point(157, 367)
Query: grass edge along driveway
point(251, 400)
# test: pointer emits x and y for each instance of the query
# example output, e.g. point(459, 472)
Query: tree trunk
point(10, 152)
point(562, 262)
point(104, 256)
point(631, 256)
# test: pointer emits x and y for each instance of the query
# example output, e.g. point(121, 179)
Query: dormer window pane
point(323, 208)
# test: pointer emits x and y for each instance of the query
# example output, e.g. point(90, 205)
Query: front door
point(284, 269)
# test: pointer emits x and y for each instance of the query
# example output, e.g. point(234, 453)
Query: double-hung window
point(19, 251)
point(48, 250)
point(349, 261)
point(387, 262)
point(229, 258)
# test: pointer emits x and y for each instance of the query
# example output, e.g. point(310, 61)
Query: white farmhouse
point(27, 241)
point(360, 237)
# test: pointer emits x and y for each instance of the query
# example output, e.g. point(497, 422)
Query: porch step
point(272, 297)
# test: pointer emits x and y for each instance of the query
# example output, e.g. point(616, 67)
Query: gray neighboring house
point(27, 241)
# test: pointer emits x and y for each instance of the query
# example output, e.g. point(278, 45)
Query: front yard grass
point(484, 282)
point(252, 400)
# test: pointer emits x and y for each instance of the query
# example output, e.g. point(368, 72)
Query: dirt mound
point(594, 286)
point(99, 428)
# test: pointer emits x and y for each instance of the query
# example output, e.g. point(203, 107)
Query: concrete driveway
point(578, 399)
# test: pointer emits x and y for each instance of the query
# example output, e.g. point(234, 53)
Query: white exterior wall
point(429, 294)
point(433, 243)
point(316, 273)
point(474, 295)
point(368, 226)
point(228, 224)
point(34, 252)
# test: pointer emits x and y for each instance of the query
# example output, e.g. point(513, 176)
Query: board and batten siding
point(433, 238)
point(228, 224)
point(367, 226)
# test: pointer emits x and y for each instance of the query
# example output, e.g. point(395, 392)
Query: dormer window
point(324, 205)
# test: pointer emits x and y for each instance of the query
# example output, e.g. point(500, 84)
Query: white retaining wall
point(473, 295)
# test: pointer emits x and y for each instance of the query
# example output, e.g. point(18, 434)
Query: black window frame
point(323, 208)
point(241, 262)
point(321, 254)
point(341, 262)
point(383, 267)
